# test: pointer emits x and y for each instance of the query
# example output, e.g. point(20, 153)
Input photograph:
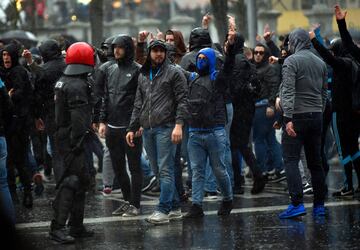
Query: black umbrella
point(27, 38)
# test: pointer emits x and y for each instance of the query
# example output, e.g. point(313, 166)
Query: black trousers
point(118, 148)
point(308, 128)
point(239, 139)
point(346, 131)
point(70, 198)
point(18, 140)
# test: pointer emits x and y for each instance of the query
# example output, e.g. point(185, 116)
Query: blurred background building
point(93, 20)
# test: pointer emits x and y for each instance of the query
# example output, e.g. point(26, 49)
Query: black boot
point(28, 199)
point(225, 208)
point(14, 197)
point(60, 235)
point(259, 185)
point(80, 232)
point(238, 190)
point(196, 211)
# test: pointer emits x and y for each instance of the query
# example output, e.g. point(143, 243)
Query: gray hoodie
point(304, 78)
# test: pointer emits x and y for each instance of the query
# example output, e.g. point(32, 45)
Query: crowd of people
point(162, 106)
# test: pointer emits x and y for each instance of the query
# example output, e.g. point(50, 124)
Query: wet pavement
point(253, 223)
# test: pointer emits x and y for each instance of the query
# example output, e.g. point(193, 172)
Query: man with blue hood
point(207, 135)
point(303, 93)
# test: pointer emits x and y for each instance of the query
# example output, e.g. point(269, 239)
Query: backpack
point(355, 86)
point(202, 106)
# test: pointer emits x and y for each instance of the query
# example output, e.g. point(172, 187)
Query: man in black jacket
point(46, 76)
point(267, 148)
point(346, 136)
point(19, 88)
point(160, 108)
point(121, 81)
point(244, 88)
point(207, 136)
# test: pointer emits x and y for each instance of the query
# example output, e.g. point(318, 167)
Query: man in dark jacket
point(19, 88)
point(303, 93)
point(121, 80)
point(267, 148)
point(343, 114)
point(207, 136)
point(46, 76)
point(73, 117)
point(160, 108)
point(243, 93)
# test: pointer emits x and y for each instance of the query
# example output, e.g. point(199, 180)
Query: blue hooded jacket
point(211, 56)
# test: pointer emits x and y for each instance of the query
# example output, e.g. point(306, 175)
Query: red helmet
point(80, 59)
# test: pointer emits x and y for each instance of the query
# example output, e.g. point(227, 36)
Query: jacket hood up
point(211, 56)
point(299, 40)
point(199, 38)
point(13, 50)
point(127, 43)
point(49, 50)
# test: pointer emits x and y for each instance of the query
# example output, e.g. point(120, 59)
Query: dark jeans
point(118, 148)
point(93, 145)
point(326, 124)
point(18, 142)
point(308, 129)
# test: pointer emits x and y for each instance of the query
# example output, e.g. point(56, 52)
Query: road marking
point(213, 212)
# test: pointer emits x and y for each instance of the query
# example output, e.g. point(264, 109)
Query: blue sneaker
point(319, 210)
point(292, 211)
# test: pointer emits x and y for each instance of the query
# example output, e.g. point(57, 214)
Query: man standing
point(303, 94)
point(266, 145)
point(17, 133)
point(73, 117)
point(160, 108)
point(46, 77)
point(121, 80)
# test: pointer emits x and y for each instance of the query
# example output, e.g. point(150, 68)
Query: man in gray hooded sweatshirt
point(303, 99)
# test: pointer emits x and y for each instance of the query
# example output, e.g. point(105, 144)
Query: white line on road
point(214, 212)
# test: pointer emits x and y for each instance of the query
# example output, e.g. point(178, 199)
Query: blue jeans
point(7, 208)
point(308, 134)
point(210, 184)
point(267, 148)
point(161, 153)
point(202, 145)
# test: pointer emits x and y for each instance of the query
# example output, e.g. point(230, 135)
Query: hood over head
point(338, 48)
point(126, 42)
point(299, 40)
point(13, 50)
point(199, 38)
point(49, 50)
point(211, 57)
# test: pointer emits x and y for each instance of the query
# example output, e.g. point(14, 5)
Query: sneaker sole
point(293, 216)
point(178, 217)
point(157, 222)
point(277, 180)
point(61, 241)
point(149, 186)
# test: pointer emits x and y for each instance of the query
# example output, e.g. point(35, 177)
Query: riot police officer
point(73, 117)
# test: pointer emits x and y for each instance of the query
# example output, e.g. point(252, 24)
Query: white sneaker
point(131, 212)
point(158, 218)
point(175, 214)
